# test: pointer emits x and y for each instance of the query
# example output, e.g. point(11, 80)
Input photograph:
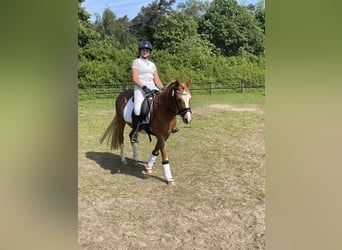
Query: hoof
point(171, 182)
point(149, 170)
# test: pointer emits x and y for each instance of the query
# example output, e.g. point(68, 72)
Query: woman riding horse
point(173, 100)
point(145, 77)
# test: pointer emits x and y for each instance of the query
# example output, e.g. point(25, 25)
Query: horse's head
point(181, 94)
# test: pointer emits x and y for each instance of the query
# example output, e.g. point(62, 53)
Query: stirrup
point(134, 138)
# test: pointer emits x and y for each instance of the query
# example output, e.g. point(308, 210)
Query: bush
point(102, 63)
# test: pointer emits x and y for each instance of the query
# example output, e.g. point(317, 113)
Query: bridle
point(179, 111)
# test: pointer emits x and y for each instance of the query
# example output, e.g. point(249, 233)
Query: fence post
point(242, 87)
point(211, 87)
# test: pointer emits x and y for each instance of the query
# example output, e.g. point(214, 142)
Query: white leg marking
point(151, 161)
point(122, 154)
point(167, 172)
point(135, 152)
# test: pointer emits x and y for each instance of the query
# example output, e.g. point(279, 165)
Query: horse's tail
point(112, 134)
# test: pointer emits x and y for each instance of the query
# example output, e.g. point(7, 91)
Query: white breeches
point(139, 96)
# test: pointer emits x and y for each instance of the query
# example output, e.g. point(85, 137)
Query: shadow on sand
point(112, 162)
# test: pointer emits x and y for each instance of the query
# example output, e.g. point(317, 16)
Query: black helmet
point(145, 45)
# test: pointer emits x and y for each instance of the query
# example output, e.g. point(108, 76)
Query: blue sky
point(128, 7)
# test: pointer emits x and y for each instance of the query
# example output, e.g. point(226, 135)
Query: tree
point(125, 23)
point(232, 28)
point(260, 14)
point(177, 34)
point(144, 25)
point(109, 26)
point(83, 15)
point(86, 31)
point(194, 8)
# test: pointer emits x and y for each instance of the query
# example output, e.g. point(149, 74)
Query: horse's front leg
point(153, 156)
point(166, 164)
point(151, 160)
point(160, 146)
point(167, 170)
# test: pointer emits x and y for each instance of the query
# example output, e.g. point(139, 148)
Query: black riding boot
point(135, 124)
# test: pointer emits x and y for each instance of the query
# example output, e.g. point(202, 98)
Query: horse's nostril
point(186, 120)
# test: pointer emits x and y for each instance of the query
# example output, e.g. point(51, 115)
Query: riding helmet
point(145, 45)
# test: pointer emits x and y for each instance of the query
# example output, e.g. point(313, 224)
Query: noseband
point(180, 112)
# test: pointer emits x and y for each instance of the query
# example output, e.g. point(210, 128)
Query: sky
point(128, 7)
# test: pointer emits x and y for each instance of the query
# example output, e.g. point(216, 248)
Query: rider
point(145, 77)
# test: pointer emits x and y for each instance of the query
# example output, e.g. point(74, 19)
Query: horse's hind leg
point(135, 152)
point(134, 148)
point(121, 128)
point(122, 154)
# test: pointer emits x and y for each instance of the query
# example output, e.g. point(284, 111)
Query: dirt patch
point(232, 108)
point(105, 112)
point(219, 108)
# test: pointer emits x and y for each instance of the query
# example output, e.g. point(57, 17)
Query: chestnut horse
point(173, 100)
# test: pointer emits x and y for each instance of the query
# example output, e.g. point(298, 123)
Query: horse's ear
point(176, 82)
point(188, 82)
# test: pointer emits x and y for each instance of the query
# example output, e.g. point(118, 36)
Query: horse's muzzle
point(187, 117)
point(185, 114)
point(186, 120)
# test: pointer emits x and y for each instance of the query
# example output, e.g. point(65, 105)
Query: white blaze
point(186, 98)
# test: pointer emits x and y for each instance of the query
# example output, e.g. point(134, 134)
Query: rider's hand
point(146, 90)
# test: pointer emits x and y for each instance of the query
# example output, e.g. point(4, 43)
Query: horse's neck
point(165, 105)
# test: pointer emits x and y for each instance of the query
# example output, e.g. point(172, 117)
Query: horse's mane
point(163, 96)
point(171, 83)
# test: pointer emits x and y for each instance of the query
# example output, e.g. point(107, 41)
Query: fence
point(104, 90)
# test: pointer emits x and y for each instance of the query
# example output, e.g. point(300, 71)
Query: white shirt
point(146, 71)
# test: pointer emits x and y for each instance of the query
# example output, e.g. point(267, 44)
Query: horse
point(172, 101)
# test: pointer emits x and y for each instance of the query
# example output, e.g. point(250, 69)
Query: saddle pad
point(128, 110)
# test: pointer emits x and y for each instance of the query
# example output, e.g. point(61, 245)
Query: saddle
point(144, 117)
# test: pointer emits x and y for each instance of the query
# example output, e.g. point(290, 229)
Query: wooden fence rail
point(103, 90)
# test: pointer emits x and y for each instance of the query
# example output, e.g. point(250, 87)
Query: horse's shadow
point(112, 162)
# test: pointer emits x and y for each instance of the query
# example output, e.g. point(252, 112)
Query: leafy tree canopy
point(86, 31)
point(178, 34)
point(232, 28)
point(193, 8)
point(109, 26)
point(144, 25)
point(218, 41)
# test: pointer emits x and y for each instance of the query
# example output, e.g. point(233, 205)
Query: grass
point(218, 164)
